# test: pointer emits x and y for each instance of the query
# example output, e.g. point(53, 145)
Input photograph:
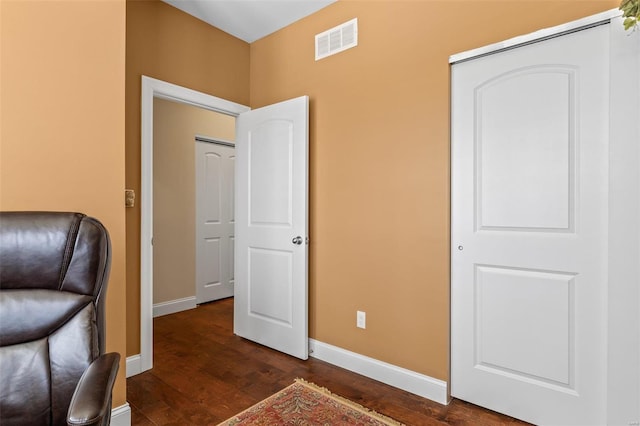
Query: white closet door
point(529, 229)
point(215, 165)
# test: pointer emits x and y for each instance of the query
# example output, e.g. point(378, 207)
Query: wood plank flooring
point(203, 374)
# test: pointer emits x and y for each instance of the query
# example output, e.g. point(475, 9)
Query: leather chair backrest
point(53, 274)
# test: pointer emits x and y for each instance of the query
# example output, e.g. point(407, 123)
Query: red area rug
point(304, 403)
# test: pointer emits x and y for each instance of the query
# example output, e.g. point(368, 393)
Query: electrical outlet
point(361, 319)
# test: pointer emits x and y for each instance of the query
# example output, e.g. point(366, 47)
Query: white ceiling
point(249, 20)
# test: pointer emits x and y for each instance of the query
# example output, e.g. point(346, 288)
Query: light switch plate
point(129, 198)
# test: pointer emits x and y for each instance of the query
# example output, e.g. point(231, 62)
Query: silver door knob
point(297, 240)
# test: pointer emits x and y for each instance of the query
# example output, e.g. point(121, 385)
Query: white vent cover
point(337, 39)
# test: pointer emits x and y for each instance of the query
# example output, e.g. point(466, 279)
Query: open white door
point(272, 226)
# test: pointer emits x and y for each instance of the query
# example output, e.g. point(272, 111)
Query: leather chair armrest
point(91, 401)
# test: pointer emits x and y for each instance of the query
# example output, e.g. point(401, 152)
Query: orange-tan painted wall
point(167, 44)
point(62, 124)
point(379, 159)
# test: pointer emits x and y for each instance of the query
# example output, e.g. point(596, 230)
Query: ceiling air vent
point(337, 39)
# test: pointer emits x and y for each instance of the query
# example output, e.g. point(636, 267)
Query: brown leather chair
point(54, 269)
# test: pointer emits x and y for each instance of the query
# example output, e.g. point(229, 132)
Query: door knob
point(297, 240)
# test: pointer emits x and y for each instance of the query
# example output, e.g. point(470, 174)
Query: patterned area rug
point(304, 403)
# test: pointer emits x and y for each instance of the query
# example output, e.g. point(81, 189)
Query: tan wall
point(379, 159)
point(174, 128)
point(62, 124)
point(167, 44)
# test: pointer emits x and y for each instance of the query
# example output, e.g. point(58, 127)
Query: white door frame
point(623, 304)
point(623, 364)
point(153, 88)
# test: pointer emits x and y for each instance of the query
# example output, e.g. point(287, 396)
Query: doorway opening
point(157, 89)
point(192, 206)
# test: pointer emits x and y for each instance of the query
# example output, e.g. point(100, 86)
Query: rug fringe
point(348, 402)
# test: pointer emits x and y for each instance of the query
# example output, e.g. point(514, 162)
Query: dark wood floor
point(203, 374)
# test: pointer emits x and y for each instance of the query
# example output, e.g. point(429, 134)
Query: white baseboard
point(173, 306)
point(121, 416)
point(134, 365)
point(410, 381)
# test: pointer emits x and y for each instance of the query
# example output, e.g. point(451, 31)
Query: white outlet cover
point(361, 319)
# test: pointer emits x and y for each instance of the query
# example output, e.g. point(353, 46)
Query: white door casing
point(271, 293)
point(215, 171)
point(531, 230)
point(157, 88)
point(623, 298)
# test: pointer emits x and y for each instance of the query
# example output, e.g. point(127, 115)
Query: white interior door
point(529, 229)
point(272, 226)
point(214, 221)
